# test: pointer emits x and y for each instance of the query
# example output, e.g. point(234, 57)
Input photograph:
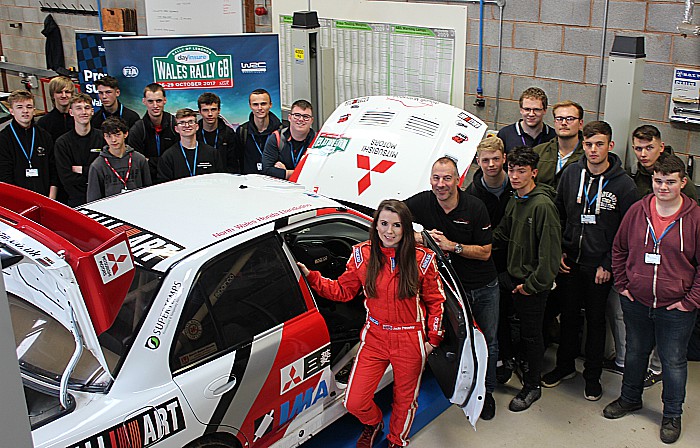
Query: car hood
point(380, 147)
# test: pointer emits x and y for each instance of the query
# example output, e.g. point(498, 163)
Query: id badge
point(32, 172)
point(587, 219)
point(652, 258)
point(259, 166)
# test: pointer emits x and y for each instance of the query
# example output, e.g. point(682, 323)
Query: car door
point(248, 344)
point(459, 363)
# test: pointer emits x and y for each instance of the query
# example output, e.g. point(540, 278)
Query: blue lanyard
point(291, 151)
point(189, 168)
point(590, 202)
point(216, 139)
point(158, 143)
point(653, 235)
point(256, 144)
point(393, 264)
point(121, 111)
point(24, 151)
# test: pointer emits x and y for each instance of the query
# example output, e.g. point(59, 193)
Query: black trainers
point(670, 429)
point(525, 398)
point(620, 408)
point(489, 409)
point(593, 390)
point(652, 378)
point(611, 366)
point(505, 371)
point(556, 376)
point(368, 435)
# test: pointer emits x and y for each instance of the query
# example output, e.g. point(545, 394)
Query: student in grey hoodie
point(118, 168)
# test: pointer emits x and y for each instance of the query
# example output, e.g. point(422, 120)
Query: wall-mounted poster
point(230, 66)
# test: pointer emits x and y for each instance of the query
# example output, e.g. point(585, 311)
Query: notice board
point(384, 48)
point(168, 17)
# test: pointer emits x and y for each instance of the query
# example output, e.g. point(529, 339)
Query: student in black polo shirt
point(108, 91)
point(460, 224)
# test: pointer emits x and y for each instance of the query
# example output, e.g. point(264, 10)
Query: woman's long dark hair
point(405, 252)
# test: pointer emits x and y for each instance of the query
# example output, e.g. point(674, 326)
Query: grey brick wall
point(25, 46)
point(560, 41)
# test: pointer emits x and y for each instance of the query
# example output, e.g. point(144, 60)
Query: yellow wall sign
point(299, 54)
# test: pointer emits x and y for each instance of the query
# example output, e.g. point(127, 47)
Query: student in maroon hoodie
point(655, 265)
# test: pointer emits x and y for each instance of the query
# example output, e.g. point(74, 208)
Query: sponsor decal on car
point(148, 248)
point(304, 368)
point(289, 409)
point(468, 119)
point(330, 143)
point(460, 138)
point(114, 262)
point(260, 220)
point(364, 164)
point(164, 316)
point(343, 118)
point(152, 425)
point(24, 245)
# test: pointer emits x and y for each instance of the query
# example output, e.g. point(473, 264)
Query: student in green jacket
point(560, 152)
point(532, 232)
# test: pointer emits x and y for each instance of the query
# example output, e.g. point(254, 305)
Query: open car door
point(459, 362)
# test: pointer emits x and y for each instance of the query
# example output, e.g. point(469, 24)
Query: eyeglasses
point(567, 119)
point(298, 116)
point(187, 124)
point(535, 110)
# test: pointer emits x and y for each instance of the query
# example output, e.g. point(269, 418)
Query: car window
point(236, 296)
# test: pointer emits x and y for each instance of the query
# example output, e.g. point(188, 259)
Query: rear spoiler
point(101, 260)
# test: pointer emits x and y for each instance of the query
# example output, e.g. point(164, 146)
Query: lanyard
point(393, 264)
point(216, 139)
point(24, 151)
point(189, 168)
point(257, 145)
point(158, 143)
point(560, 161)
point(291, 151)
point(591, 201)
point(121, 111)
point(124, 179)
point(653, 235)
point(535, 142)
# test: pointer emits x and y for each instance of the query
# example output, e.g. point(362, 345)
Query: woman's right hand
point(303, 268)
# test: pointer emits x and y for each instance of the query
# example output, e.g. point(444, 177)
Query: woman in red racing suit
point(401, 284)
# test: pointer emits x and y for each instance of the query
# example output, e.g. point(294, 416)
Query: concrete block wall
point(25, 46)
point(564, 38)
point(556, 45)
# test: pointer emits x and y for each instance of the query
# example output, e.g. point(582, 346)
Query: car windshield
point(45, 346)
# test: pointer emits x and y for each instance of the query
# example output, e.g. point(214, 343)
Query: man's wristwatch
point(458, 248)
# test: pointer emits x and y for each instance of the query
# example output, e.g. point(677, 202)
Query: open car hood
point(381, 147)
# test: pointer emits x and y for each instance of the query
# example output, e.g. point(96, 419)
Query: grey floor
point(563, 418)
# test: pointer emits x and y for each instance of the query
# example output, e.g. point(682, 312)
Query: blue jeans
point(485, 304)
point(670, 331)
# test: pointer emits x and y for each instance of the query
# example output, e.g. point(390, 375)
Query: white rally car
point(175, 315)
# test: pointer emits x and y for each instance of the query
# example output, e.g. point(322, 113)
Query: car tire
point(215, 441)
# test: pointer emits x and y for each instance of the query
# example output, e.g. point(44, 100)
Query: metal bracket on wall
point(52, 7)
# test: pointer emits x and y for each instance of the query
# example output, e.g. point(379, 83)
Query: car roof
point(185, 215)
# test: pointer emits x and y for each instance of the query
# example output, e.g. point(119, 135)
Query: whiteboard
point(412, 14)
point(169, 17)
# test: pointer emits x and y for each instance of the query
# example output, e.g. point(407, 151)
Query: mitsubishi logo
point(115, 260)
point(294, 379)
point(363, 164)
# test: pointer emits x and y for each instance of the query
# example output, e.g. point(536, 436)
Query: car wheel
point(215, 442)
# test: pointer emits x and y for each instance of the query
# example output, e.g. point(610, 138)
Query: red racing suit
point(394, 333)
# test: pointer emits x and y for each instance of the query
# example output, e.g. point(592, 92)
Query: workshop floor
point(563, 417)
